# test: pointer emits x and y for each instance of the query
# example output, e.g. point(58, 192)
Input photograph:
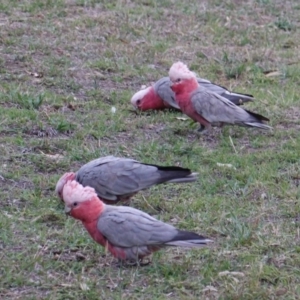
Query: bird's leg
point(205, 126)
point(126, 199)
point(127, 263)
point(120, 263)
point(205, 129)
point(201, 128)
point(126, 202)
point(133, 263)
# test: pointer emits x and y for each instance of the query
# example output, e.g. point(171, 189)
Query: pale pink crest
point(75, 192)
point(62, 181)
point(180, 71)
point(139, 96)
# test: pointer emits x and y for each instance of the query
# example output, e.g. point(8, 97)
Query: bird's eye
point(138, 102)
point(75, 204)
point(178, 80)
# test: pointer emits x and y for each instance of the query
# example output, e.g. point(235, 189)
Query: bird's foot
point(133, 263)
point(203, 130)
point(126, 202)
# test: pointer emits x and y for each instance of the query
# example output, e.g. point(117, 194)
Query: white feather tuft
point(75, 192)
point(62, 181)
point(180, 70)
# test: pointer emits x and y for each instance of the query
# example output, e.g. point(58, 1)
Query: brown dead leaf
point(84, 286)
point(80, 256)
point(281, 292)
point(53, 156)
point(99, 74)
point(273, 73)
point(181, 118)
point(209, 289)
point(236, 274)
point(71, 106)
point(112, 285)
point(35, 74)
point(226, 165)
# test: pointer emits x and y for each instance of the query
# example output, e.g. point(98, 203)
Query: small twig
point(231, 142)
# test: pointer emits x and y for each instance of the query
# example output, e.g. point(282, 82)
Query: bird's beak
point(67, 210)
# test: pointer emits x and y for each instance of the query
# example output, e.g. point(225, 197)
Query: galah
point(128, 233)
point(116, 178)
point(207, 107)
point(160, 95)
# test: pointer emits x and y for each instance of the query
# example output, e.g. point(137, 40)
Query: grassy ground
point(64, 64)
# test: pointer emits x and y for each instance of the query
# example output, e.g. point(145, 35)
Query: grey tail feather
point(258, 125)
point(188, 239)
point(190, 178)
point(190, 243)
point(257, 116)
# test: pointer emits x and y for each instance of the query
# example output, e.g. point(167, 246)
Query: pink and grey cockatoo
point(116, 178)
point(128, 233)
point(206, 107)
point(160, 95)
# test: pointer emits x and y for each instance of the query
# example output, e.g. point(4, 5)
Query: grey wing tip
point(189, 178)
point(207, 241)
point(191, 243)
point(203, 241)
point(245, 97)
point(193, 176)
point(260, 126)
point(174, 103)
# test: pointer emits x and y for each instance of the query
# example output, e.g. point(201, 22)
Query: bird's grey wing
point(99, 161)
point(96, 174)
point(128, 227)
point(162, 88)
point(118, 177)
point(236, 98)
point(211, 86)
point(216, 108)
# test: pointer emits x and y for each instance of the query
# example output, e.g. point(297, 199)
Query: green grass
point(64, 64)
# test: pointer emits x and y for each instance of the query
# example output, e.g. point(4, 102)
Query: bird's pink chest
point(92, 229)
point(185, 104)
point(100, 239)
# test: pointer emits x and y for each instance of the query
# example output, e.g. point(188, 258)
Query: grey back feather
point(112, 177)
point(236, 98)
point(215, 108)
point(128, 227)
point(162, 88)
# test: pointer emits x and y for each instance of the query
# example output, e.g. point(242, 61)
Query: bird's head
point(139, 97)
point(61, 183)
point(81, 202)
point(182, 79)
point(147, 99)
